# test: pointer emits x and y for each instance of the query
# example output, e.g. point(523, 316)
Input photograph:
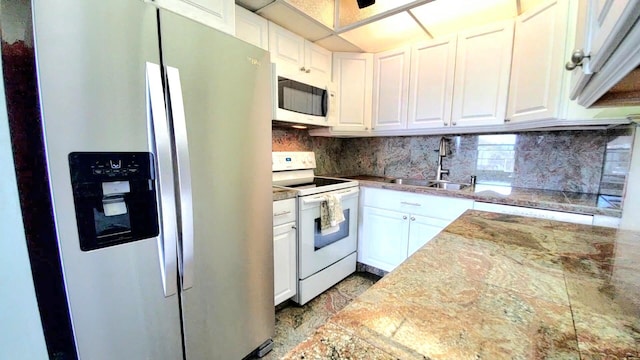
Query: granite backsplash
point(586, 161)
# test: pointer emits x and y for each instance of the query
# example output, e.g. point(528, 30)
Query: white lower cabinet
point(396, 224)
point(284, 250)
point(383, 241)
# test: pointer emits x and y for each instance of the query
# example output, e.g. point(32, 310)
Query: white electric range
point(323, 260)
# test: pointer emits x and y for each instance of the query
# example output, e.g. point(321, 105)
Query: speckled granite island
point(493, 286)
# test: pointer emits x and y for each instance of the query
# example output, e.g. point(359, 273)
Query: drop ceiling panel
point(337, 44)
point(294, 20)
point(253, 5)
point(446, 17)
point(388, 33)
point(320, 10)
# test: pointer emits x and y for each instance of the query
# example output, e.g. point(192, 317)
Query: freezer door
point(91, 61)
point(225, 84)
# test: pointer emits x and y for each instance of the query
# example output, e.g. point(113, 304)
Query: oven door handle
point(341, 195)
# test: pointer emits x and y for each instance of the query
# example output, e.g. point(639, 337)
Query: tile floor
point(295, 323)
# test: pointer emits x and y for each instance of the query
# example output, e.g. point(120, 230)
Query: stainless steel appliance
point(323, 259)
point(301, 98)
point(157, 133)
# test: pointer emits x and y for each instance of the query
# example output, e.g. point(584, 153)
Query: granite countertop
point(283, 194)
point(495, 286)
point(582, 203)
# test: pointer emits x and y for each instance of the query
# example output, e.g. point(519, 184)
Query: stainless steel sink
point(439, 184)
point(448, 185)
point(414, 182)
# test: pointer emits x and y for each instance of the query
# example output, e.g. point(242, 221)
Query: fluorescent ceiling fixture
point(298, 126)
point(443, 17)
point(388, 33)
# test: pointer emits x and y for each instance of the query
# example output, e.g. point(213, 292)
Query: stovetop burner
point(295, 171)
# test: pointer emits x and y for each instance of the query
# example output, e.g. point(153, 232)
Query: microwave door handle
point(325, 96)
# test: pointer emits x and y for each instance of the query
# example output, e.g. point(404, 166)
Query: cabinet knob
point(577, 57)
point(446, 123)
point(413, 219)
point(293, 227)
point(404, 217)
point(307, 71)
point(453, 123)
point(302, 69)
point(366, 128)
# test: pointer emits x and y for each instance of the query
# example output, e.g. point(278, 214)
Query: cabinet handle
point(507, 120)
point(293, 227)
point(404, 217)
point(302, 69)
point(409, 203)
point(282, 213)
point(413, 219)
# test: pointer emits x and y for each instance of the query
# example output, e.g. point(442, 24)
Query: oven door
point(317, 251)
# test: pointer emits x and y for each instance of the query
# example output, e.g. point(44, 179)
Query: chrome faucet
point(442, 152)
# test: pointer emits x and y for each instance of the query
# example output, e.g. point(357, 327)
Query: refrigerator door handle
point(184, 177)
point(161, 147)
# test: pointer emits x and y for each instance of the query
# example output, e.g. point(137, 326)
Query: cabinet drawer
point(438, 207)
point(284, 211)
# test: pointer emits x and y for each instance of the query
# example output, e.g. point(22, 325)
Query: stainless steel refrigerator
point(189, 108)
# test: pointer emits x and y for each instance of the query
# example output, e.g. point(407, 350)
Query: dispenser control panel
point(115, 197)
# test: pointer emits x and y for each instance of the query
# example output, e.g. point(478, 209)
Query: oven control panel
point(292, 160)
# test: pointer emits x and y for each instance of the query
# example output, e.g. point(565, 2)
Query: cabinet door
point(218, 14)
point(610, 20)
point(252, 28)
point(390, 89)
point(353, 77)
point(431, 83)
point(284, 262)
point(483, 63)
point(383, 239)
point(421, 230)
point(317, 62)
point(537, 66)
point(287, 48)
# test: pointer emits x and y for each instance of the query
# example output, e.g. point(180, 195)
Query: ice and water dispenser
point(115, 197)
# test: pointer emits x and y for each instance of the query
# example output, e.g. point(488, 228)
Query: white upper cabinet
point(353, 78)
point(390, 89)
point(298, 55)
point(606, 35)
point(537, 66)
point(252, 28)
point(609, 22)
point(431, 83)
point(317, 60)
point(218, 14)
point(481, 84)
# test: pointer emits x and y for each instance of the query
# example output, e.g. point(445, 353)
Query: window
point(496, 155)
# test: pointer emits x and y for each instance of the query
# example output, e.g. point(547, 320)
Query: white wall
point(631, 206)
point(21, 335)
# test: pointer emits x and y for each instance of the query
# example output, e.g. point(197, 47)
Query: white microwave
point(303, 99)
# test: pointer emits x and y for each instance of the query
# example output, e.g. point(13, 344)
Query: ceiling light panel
point(388, 33)
point(443, 17)
point(349, 13)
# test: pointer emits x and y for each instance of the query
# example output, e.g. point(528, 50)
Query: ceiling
point(339, 25)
